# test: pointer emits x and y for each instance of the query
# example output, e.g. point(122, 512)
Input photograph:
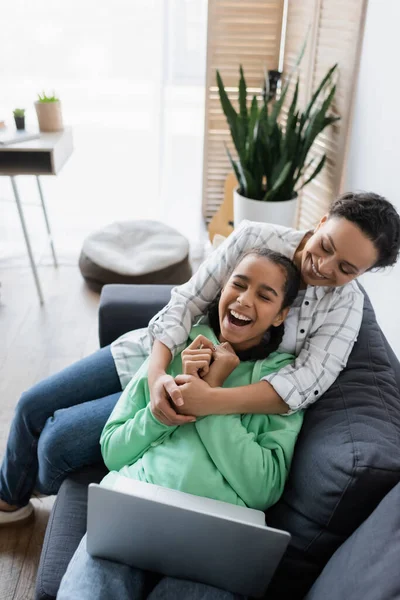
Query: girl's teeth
point(238, 316)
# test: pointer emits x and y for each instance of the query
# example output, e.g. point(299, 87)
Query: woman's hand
point(225, 360)
point(165, 398)
point(196, 358)
point(165, 395)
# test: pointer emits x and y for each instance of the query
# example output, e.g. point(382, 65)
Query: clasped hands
point(205, 366)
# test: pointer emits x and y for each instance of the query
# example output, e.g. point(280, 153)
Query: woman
point(58, 422)
point(240, 459)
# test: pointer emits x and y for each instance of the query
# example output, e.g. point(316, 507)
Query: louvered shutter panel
point(239, 32)
point(334, 36)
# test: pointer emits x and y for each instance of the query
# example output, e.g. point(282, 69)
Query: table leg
point(27, 241)
point(47, 221)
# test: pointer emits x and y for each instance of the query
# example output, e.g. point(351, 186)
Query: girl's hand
point(225, 360)
point(196, 358)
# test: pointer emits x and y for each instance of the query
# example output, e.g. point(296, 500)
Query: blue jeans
point(89, 578)
point(57, 426)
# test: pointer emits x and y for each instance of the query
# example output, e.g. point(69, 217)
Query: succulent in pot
point(19, 118)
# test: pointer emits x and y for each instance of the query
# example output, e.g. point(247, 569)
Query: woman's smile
point(336, 253)
point(314, 269)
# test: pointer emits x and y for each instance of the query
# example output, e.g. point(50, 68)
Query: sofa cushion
point(65, 529)
point(346, 460)
point(367, 565)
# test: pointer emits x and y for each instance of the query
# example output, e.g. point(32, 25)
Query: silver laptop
point(185, 536)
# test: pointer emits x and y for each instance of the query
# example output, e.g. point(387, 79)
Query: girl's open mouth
point(238, 320)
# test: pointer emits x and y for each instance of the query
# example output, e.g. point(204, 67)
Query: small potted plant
point(48, 110)
point(19, 118)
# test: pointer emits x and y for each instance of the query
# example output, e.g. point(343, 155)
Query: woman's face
point(251, 302)
point(336, 253)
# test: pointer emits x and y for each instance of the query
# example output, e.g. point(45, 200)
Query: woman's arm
point(164, 393)
point(172, 325)
point(159, 360)
point(324, 355)
point(201, 399)
point(256, 398)
point(163, 388)
point(255, 464)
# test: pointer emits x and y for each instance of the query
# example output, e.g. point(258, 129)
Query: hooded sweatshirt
point(241, 459)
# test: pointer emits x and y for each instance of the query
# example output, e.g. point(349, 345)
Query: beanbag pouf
point(135, 252)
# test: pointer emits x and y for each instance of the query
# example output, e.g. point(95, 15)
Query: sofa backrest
point(346, 460)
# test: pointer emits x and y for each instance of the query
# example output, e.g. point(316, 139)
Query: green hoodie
point(241, 459)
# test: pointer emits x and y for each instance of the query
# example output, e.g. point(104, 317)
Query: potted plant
point(271, 166)
point(19, 118)
point(48, 110)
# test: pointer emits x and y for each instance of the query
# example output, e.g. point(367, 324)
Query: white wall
point(374, 157)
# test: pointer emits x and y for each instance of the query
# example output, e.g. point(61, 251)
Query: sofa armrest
point(367, 564)
point(65, 529)
point(126, 307)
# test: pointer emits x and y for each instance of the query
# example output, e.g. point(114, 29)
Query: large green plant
point(271, 159)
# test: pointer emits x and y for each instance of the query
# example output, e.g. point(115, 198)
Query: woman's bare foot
point(7, 507)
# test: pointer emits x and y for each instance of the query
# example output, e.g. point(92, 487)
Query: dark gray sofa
point(342, 500)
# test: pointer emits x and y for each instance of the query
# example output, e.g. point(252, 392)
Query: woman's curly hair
point(378, 220)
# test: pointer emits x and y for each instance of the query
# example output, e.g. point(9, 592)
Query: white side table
point(43, 156)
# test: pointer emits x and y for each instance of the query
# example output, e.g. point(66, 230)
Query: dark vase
point(20, 122)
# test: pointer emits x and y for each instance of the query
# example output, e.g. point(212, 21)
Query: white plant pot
point(280, 213)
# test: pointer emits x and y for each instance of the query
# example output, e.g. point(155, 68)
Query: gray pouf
point(135, 252)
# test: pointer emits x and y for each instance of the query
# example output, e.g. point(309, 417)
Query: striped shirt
point(328, 320)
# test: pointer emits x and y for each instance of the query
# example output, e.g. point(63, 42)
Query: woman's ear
point(280, 317)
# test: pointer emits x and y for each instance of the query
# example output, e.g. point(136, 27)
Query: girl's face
point(251, 302)
point(336, 253)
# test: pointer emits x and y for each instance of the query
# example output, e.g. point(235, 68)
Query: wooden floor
point(34, 343)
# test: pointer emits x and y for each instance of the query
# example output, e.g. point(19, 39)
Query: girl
point(241, 459)
point(58, 422)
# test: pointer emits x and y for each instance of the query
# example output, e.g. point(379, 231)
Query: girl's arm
point(131, 428)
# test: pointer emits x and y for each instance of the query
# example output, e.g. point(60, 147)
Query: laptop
point(185, 536)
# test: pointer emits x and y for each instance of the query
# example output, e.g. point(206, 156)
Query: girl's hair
point(273, 337)
point(378, 220)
